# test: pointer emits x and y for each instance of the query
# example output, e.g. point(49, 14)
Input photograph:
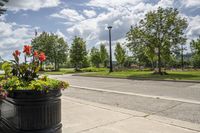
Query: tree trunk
point(152, 65)
point(76, 67)
point(56, 65)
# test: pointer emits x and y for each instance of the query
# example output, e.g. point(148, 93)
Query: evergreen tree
point(120, 54)
point(195, 46)
point(78, 53)
point(95, 57)
point(104, 55)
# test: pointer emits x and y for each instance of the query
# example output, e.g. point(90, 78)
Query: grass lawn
point(132, 74)
point(62, 71)
point(71, 70)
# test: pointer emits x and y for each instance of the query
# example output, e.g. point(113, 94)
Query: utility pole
point(111, 67)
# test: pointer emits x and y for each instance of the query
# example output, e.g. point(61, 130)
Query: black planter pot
point(30, 111)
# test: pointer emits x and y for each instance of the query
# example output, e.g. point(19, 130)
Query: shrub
point(93, 69)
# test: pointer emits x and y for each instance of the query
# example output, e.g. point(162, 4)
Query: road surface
point(177, 100)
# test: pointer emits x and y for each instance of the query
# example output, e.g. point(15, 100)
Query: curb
point(186, 81)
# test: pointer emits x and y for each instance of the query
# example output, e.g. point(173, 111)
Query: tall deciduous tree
point(120, 54)
point(95, 57)
point(195, 47)
point(104, 55)
point(55, 48)
point(158, 34)
point(78, 53)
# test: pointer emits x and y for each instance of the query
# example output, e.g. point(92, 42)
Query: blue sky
point(85, 18)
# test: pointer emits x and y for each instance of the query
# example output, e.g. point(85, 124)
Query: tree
point(138, 50)
point(195, 47)
point(55, 48)
point(103, 55)
point(78, 53)
point(158, 34)
point(95, 57)
point(1, 62)
point(2, 3)
point(120, 54)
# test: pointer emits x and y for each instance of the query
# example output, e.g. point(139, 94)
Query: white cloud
point(112, 3)
point(191, 3)
point(5, 30)
point(193, 30)
point(87, 29)
point(13, 37)
point(69, 14)
point(35, 5)
point(165, 3)
point(60, 34)
point(94, 30)
point(89, 13)
point(3, 17)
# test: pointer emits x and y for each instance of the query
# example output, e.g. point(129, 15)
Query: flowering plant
point(24, 76)
point(27, 71)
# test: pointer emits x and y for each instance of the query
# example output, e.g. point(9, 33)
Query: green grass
point(62, 71)
point(172, 75)
point(94, 69)
point(71, 70)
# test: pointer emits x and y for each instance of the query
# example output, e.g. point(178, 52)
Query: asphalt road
point(170, 107)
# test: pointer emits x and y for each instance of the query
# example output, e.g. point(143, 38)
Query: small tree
point(195, 46)
point(103, 55)
point(78, 53)
point(95, 57)
point(120, 54)
point(55, 47)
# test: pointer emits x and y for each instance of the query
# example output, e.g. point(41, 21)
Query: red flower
point(35, 54)
point(42, 57)
point(16, 53)
point(27, 49)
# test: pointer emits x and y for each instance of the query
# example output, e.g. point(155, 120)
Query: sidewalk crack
point(161, 111)
point(106, 124)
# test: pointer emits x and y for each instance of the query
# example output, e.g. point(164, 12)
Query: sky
point(85, 18)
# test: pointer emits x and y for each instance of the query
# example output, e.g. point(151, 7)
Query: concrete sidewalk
point(82, 116)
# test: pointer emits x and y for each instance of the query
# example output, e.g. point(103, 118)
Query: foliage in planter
point(23, 76)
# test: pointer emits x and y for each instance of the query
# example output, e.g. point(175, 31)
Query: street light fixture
point(111, 67)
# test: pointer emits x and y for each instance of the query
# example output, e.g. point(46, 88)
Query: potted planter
point(32, 112)
point(31, 104)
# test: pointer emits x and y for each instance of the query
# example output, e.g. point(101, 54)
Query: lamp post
point(111, 67)
point(182, 58)
point(156, 51)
